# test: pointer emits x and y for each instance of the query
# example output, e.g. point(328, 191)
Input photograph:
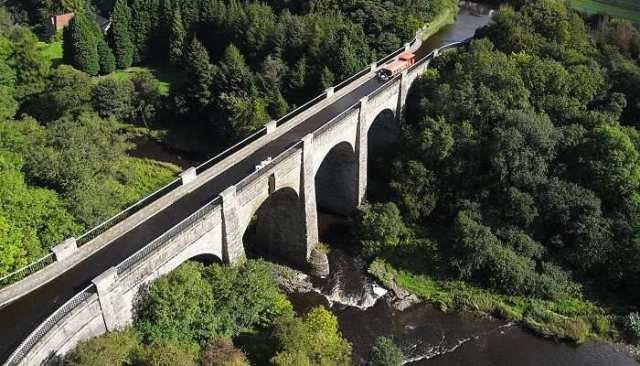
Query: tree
point(140, 27)
point(385, 353)
point(31, 67)
point(326, 78)
point(78, 156)
point(32, 219)
point(380, 228)
point(111, 349)
point(177, 38)
point(119, 36)
point(107, 59)
point(314, 340)
point(113, 98)
point(80, 45)
point(611, 165)
point(234, 75)
point(8, 105)
point(179, 307)
point(147, 98)
point(221, 352)
point(200, 72)
point(167, 352)
point(68, 90)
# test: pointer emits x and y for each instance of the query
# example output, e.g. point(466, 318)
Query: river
point(426, 335)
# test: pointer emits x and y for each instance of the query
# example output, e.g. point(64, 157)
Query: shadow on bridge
point(382, 147)
point(277, 229)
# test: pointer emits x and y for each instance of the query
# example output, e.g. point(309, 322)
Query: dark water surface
point(426, 335)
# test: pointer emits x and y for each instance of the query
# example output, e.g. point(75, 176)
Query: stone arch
point(382, 139)
point(277, 228)
point(336, 181)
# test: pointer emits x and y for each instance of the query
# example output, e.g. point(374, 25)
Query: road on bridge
point(19, 318)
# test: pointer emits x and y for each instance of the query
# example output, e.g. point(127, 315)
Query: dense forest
point(67, 126)
point(518, 171)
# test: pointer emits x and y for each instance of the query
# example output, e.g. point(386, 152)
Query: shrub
point(380, 228)
point(167, 353)
point(111, 349)
point(113, 98)
point(314, 340)
point(385, 353)
point(221, 352)
point(632, 326)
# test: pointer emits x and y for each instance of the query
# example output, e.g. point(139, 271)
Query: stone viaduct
point(325, 168)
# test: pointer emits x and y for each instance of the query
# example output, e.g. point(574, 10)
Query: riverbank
point(445, 18)
point(572, 319)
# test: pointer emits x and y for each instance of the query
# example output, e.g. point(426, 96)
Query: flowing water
point(426, 335)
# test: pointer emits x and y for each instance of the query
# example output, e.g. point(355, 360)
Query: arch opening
point(277, 229)
point(382, 144)
point(206, 259)
point(336, 182)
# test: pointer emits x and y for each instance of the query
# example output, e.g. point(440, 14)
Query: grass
point(626, 9)
point(167, 77)
point(572, 319)
point(446, 17)
point(140, 177)
point(53, 51)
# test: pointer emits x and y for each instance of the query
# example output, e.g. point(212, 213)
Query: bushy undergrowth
point(573, 319)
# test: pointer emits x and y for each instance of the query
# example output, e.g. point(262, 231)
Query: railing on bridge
point(167, 236)
point(27, 270)
point(24, 348)
point(44, 328)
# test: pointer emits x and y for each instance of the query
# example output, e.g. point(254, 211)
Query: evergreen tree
point(119, 37)
point(31, 66)
point(234, 75)
point(200, 72)
point(107, 59)
point(80, 45)
point(326, 78)
point(140, 27)
point(177, 38)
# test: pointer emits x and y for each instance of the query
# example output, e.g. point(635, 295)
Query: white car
point(263, 163)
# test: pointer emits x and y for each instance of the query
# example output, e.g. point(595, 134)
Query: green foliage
point(632, 326)
point(574, 319)
point(166, 353)
point(111, 349)
point(314, 340)
point(119, 36)
point(68, 91)
point(380, 228)
point(8, 105)
point(80, 44)
point(106, 58)
point(31, 219)
point(180, 307)
point(177, 39)
point(200, 73)
point(385, 353)
point(31, 67)
point(113, 98)
point(221, 352)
